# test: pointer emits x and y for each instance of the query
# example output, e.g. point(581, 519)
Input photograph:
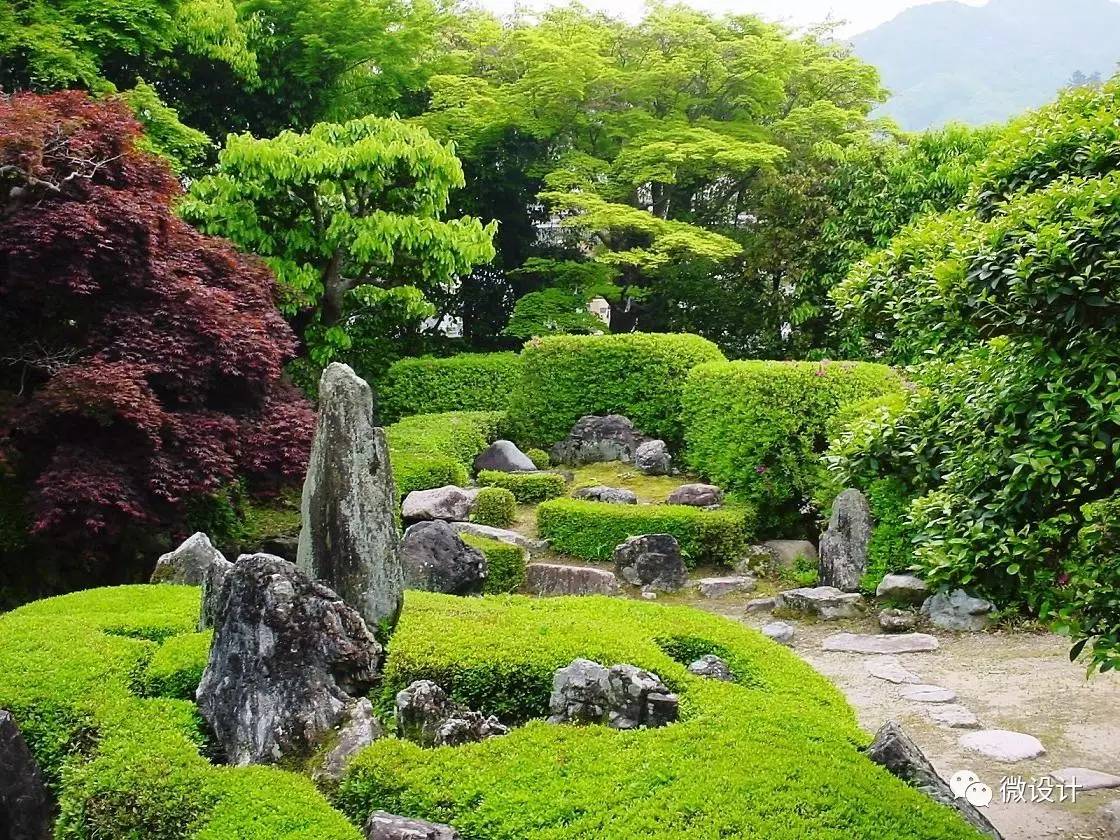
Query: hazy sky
point(860, 14)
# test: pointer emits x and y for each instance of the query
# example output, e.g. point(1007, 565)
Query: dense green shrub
point(541, 459)
point(636, 374)
point(494, 506)
point(1088, 604)
point(434, 450)
point(175, 670)
point(528, 487)
point(505, 564)
point(430, 385)
point(759, 428)
point(592, 530)
point(774, 754)
point(127, 766)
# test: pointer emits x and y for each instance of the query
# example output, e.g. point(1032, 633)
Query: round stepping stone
point(954, 717)
point(779, 631)
point(1003, 745)
point(929, 694)
point(902, 643)
point(892, 672)
point(1086, 779)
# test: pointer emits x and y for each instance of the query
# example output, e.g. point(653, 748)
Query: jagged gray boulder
point(287, 659)
point(652, 561)
point(622, 697)
point(902, 589)
point(427, 716)
point(449, 503)
point(894, 750)
point(843, 550)
point(957, 610)
point(436, 559)
point(27, 808)
point(548, 579)
point(188, 563)
point(349, 537)
point(212, 583)
point(504, 456)
point(696, 495)
point(382, 825)
point(712, 667)
point(595, 439)
point(827, 602)
point(653, 458)
point(360, 728)
point(609, 495)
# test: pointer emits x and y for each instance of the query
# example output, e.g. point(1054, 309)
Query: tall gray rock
point(844, 545)
point(287, 661)
point(27, 809)
point(349, 537)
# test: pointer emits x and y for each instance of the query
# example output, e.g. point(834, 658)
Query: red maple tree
point(145, 358)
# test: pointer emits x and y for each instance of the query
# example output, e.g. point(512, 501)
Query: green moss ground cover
point(773, 755)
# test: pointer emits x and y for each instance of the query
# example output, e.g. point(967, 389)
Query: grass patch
point(650, 489)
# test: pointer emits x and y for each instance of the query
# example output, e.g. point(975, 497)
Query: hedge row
point(505, 564)
point(759, 428)
point(592, 530)
point(639, 375)
point(126, 766)
point(434, 450)
point(774, 754)
point(529, 487)
point(430, 385)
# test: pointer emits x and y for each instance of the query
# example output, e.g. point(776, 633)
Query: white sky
point(860, 14)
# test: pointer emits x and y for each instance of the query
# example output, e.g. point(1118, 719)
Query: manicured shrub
point(1087, 606)
point(759, 428)
point(430, 385)
point(774, 754)
point(540, 458)
point(494, 506)
point(68, 672)
point(433, 450)
point(176, 668)
point(529, 487)
point(639, 375)
point(505, 564)
point(592, 530)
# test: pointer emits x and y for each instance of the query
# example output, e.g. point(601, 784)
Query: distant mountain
point(947, 61)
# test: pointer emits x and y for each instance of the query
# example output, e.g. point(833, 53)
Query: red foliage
point(148, 356)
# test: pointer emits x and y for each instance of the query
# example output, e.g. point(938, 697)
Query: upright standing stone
point(349, 536)
point(844, 545)
point(26, 807)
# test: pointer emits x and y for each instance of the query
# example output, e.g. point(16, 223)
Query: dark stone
point(436, 559)
point(288, 658)
point(608, 495)
point(897, 621)
point(843, 551)
point(596, 439)
point(349, 537)
point(188, 563)
point(652, 458)
point(696, 495)
point(428, 717)
point(622, 697)
point(504, 456)
point(27, 809)
point(285, 546)
point(894, 750)
point(652, 561)
point(384, 826)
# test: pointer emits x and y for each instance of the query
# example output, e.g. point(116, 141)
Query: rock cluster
point(427, 716)
point(27, 809)
point(503, 456)
point(843, 552)
point(435, 558)
point(653, 458)
point(596, 439)
point(188, 563)
point(652, 561)
point(557, 579)
point(622, 697)
point(608, 495)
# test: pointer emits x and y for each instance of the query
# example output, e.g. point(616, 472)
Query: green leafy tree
point(340, 213)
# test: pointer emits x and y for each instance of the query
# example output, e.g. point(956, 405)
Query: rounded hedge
point(430, 385)
point(592, 530)
point(494, 506)
point(773, 754)
point(527, 487)
point(505, 564)
point(640, 375)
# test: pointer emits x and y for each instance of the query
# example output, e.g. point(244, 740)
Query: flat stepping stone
point(954, 716)
point(928, 694)
point(859, 643)
point(759, 605)
point(779, 631)
point(892, 672)
point(499, 534)
point(1003, 745)
point(1086, 779)
point(718, 587)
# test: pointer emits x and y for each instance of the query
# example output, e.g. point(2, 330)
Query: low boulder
point(778, 631)
point(596, 439)
point(897, 621)
point(696, 495)
point(435, 558)
point(784, 554)
point(188, 563)
point(653, 458)
point(503, 456)
point(284, 546)
point(712, 667)
point(27, 808)
point(622, 697)
point(957, 610)
point(449, 503)
point(426, 716)
point(652, 561)
point(547, 579)
point(382, 825)
point(608, 495)
point(826, 602)
point(720, 587)
point(902, 589)
point(843, 552)
point(287, 659)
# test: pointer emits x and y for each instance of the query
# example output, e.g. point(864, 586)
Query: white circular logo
point(960, 782)
point(979, 794)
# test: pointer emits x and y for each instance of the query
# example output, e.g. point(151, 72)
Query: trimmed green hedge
point(592, 530)
point(434, 450)
point(505, 564)
point(639, 375)
point(759, 428)
point(774, 754)
point(176, 668)
point(132, 765)
point(528, 487)
point(430, 385)
point(494, 506)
